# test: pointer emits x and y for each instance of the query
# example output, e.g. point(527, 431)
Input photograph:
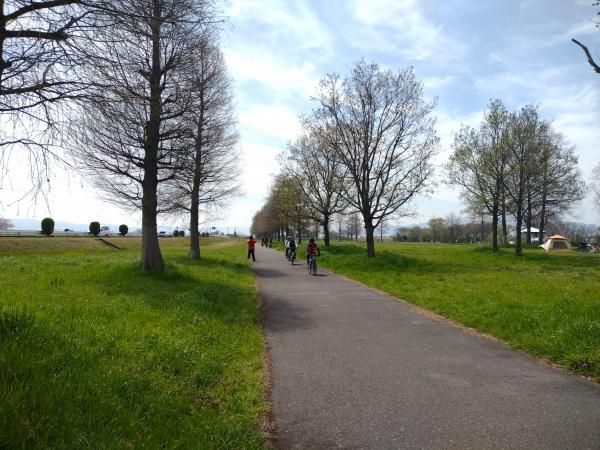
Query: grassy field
point(96, 354)
point(546, 304)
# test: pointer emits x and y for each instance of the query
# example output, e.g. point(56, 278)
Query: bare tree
point(479, 164)
point(452, 220)
point(129, 139)
point(209, 174)
point(557, 183)
point(5, 224)
point(382, 130)
point(38, 62)
point(595, 185)
point(588, 55)
point(320, 175)
point(527, 132)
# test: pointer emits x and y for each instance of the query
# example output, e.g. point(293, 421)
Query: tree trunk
point(151, 256)
point(325, 224)
point(542, 220)
point(529, 219)
point(481, 241)
point(504, 228)
point(194, 238)
point(518, 241)
point(495, 213)
point(370, 231)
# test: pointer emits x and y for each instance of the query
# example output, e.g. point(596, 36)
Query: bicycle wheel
point(293, 257)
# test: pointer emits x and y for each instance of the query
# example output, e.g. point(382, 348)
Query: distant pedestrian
point(251, 241)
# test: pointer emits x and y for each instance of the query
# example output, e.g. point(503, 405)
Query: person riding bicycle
point(291, 246)
point(311, 249)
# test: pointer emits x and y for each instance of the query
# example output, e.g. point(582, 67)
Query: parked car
point(165, 234)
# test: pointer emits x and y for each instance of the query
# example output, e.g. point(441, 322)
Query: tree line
point(138, 93)
point(367, 149)
point(456, 229)
point(515, 164)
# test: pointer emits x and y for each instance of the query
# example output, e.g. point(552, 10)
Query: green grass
point(96, 354)
point(545, 304)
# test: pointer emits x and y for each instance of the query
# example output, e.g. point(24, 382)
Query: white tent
point(556, 243)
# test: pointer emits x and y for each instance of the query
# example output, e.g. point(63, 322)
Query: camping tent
point(556, 242)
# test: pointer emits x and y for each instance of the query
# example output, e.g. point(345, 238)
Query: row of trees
point(365, 148)
point(515, 164)
point(454, 229)
point(150, 117)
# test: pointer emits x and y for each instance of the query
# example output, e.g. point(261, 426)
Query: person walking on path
point(251, 242)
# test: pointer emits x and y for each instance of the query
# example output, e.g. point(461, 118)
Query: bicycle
point(312, 265)
point(292, 257)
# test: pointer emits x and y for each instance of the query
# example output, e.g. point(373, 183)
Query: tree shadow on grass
point(214, 287)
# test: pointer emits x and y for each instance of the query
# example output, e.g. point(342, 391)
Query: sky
point(464, 52)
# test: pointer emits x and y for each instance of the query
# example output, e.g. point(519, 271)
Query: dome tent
point(556, 243)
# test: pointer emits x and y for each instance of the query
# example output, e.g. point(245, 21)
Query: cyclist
point(291, 247)
point(287, 247)
point(312, 249)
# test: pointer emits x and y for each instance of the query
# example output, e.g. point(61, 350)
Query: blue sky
point(465, 52)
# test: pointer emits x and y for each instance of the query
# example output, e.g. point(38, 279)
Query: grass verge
point(95, 353)
point(545, 304)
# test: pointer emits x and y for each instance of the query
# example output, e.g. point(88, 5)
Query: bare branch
point(595, 66)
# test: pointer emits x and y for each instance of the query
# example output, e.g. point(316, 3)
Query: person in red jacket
point(251, 241)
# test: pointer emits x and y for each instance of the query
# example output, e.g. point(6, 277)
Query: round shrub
point(181, 233)
point(95, 228)
point(123, 229)
point(47, 226)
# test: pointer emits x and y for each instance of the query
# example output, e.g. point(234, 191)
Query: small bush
point(181, 233)
point(95, 228)
point(123, 229)
point(47, 226)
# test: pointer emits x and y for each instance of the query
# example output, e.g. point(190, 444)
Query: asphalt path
point(354, 368)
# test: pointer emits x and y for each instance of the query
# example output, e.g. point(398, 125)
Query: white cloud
point(269, 122)
point(402, 28)
point(272, 74)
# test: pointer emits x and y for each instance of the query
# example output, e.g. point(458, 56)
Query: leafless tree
point(587, 53)
point(129, 139)
point(5, 224)
point(595, 185)
point(39, 58)
point(452, 220)
point(320, 175)
point(382, 130)
point(527, 132)
point(479, 164)
point(210, 172)
point(556, 185)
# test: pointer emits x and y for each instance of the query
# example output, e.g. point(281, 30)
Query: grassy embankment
point(94, 353)
point(545, 304)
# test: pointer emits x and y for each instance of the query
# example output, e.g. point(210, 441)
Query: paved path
point(353, 368)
